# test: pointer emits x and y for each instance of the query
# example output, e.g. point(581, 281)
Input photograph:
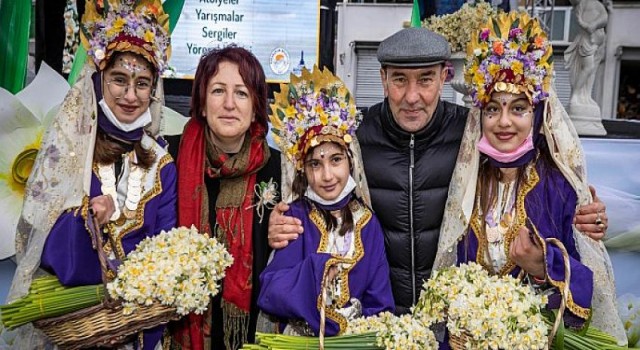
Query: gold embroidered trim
point(361, 215)
point(138, 220)
point(521, 217)
point(575, 309)
point(330, 311)
point(531, 181)
point(83, 210)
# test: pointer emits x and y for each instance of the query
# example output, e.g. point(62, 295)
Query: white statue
point(583, 57)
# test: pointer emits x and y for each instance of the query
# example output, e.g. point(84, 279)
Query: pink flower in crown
point(484, 35)
point(514, 32)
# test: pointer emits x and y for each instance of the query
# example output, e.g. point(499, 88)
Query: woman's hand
point(526, 253)
point(282, 228)
point(591, 219)
point(103, 208)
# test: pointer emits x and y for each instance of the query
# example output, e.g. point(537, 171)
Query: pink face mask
point(505, 157)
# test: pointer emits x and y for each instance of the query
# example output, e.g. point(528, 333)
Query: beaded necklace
point(135, 179)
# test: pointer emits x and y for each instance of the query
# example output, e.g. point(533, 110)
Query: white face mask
point(350, 186)
point(142, 120)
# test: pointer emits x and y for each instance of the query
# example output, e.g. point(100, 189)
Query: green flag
point(415, 14)
point(172, 7)
point(15, 21)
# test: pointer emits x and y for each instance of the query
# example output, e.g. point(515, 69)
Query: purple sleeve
point(68, 252)
point(290, 286)
point(167, 215)
point(581, 282)
point(551, 206)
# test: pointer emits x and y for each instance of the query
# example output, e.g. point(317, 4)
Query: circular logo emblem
point(279, 61)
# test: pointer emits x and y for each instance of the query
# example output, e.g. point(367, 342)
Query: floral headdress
point(137, 26)
point(313, 108)
point(511, 53)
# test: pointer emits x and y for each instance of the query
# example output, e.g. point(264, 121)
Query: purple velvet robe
point(291, 283)
point(68, 252)
point(551, 206)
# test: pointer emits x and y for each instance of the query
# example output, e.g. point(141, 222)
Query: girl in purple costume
point(101, 161)
point(341, 253)
point(520, 177)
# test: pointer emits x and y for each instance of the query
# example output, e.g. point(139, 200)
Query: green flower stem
point(366, 341)
point(593, 339)
point(48, 298)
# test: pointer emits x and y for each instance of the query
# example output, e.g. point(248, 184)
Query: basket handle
point(323, 316)
point(565, 291)
point(97, 244)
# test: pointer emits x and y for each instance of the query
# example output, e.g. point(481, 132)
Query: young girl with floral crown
point(340, 259)
point(520, 176)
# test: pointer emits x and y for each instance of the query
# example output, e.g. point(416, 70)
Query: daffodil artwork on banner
point(23, 119)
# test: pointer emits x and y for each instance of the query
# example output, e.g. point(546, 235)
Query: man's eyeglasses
point(118, 88)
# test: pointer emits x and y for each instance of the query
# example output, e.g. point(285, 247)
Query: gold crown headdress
point(313, 108)
point(511, 53)
point(137, 26)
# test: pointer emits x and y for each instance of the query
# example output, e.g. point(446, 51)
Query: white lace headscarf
point(567, 154)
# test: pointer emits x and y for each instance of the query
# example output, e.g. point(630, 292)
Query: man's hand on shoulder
point(282, 228)
point(591, 219)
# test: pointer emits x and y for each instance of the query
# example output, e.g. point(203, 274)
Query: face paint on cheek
point(132, 65)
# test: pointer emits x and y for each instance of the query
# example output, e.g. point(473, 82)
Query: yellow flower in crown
point(511, 53)
point(312, 108)
point(137, 26)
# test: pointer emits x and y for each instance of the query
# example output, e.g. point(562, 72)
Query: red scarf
point(234, 216)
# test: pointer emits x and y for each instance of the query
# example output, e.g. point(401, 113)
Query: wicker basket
point(458, 342)
point(101, 325)
point(104, 324)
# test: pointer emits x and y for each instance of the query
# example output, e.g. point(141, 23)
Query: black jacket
point(409, 196)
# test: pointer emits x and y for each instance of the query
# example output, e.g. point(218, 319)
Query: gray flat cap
point(413, 47)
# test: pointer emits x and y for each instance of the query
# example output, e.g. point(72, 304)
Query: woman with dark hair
point(226, 179)
point(101, 161)
point(520, 176)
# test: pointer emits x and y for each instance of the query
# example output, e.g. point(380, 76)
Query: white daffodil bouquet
point(396, 332)
point(179, 268)
point(493, 312)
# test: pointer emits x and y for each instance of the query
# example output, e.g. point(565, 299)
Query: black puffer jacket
point(405, 175)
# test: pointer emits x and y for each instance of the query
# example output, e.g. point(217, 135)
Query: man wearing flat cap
point(409, 144)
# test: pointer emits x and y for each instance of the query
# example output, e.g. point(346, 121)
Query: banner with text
point(282, 34)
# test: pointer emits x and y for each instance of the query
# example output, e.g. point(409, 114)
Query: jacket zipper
point(413, 251)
